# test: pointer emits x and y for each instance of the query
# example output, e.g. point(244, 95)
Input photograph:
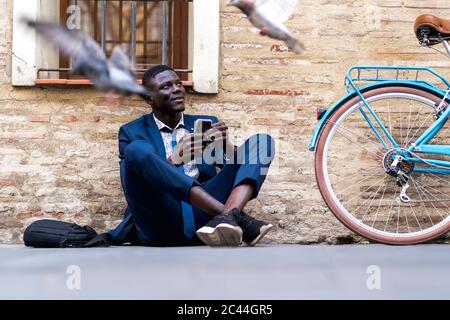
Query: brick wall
point(58, 156)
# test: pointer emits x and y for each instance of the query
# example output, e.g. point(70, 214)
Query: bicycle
point(381, 151)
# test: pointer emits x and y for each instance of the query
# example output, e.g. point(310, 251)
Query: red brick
point(70, 118)
point(24, 215)
point(39, 118)
point(70, 170)
point(111, 183)
point(95, 118)
point(290, 93)
point(279, 48)
point(273, 122)
point(58, 214)
point(6, 182)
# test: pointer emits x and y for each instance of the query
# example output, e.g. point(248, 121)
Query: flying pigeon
point(268, 16)
point(88, 59)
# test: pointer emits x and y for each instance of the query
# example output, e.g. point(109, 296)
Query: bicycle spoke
point(359, 145)
point(356, 134)
point(429, 187)
point(421, 200)
point(412, 128)
point(409, 123)
point(401, 132)
point(389, 115)
point(415, 216)
point(352, 185)
point(370, 198)
point(366, 177)
point(432, 202)
point(424, 193)
point(436, 198)
point(421, 126)
point(392, 205)
point(379, 205)
point(365, 190)
point(438, 177)
point(374, 195)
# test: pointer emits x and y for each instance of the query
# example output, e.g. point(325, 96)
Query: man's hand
point(187, 149)
point(219, 135)
point(193, 144)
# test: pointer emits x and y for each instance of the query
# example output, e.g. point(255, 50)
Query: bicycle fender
point(351, 95)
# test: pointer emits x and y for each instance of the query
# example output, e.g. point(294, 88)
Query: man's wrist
point(175, 163)
point(171, 160)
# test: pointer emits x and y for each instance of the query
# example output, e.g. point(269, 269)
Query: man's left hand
point(218, 133)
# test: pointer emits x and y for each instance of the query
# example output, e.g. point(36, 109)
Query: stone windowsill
point(81, 82)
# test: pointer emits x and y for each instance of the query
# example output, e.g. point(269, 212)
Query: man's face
point(167, 92)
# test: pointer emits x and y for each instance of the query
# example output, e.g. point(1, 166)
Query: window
point(155, 31)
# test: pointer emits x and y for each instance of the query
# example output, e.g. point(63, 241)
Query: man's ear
point(147, 99)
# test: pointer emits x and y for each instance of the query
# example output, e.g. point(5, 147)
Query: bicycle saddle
point(431, 30)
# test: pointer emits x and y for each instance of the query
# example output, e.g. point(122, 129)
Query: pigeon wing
point(120, 60)
point(277, 11)
point(72, 43)
point(121, 71)
point(124, 83)
point(88, 58)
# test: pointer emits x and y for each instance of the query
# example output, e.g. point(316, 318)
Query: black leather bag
point(58, 234)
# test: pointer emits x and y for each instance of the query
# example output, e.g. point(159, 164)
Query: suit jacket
point(146, 129)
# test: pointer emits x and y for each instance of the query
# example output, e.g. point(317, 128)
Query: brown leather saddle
point(431, 30)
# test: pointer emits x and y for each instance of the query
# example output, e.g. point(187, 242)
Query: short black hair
point(153, 72)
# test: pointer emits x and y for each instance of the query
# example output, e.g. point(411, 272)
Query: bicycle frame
point(421, 144)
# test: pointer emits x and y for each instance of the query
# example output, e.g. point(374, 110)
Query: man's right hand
point(187, 149)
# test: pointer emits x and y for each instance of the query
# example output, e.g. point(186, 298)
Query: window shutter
point(205, 72)
point(24, 43)
point(30, 51)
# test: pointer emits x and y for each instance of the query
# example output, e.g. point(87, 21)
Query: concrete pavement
point(264, 272)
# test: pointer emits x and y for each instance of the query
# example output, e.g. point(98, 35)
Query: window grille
point(155, 31)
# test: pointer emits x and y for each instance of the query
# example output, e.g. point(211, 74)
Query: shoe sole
point(223, 235)
point(262, 232)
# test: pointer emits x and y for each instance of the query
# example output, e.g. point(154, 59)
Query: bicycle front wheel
point(351, 168)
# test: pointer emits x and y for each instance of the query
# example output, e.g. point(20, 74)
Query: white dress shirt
point(180, 130)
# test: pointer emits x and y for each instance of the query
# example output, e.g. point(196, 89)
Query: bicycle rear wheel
point(350, 168)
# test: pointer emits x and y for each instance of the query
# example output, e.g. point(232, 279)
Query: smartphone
point(201, 125)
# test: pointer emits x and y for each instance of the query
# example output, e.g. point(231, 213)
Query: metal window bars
point(167, 30)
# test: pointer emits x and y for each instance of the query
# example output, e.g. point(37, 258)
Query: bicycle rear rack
point(403, 74)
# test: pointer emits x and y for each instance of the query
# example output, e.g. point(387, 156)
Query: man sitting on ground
point(176, 197)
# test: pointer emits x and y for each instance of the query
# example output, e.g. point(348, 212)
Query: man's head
point(166, 90)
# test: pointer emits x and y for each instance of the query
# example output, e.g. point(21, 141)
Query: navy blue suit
point(154, 188)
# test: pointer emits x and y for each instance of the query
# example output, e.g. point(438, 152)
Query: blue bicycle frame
point(421, 144)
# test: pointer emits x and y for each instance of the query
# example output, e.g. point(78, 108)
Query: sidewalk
point(268, 272)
